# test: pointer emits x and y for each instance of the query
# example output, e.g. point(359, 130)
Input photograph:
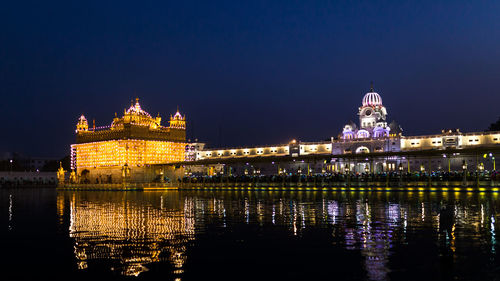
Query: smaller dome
point(177, 116)
point(137, 110)
point(82, 124)
point(372, 99)
point(82, 119)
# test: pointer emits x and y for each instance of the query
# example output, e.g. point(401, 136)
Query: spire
point(371, 87)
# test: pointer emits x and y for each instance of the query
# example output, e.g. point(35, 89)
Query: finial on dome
point(371, 87)
point(136, 100)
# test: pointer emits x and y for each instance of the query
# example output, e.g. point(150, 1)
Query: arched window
point(362, 134)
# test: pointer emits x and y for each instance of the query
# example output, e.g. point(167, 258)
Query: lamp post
point(492, 159)
point(348, 174)
point(367, 169)
point(464, 168)
point(400, 168)
point(11, 166)
point(449, 162)
point(481, 169)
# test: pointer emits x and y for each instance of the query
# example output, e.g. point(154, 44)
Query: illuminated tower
point(372, 119)
point(372, 113)
point(178, 121)
point(82, 124)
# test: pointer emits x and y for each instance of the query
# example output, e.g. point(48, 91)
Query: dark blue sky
point(262, 71)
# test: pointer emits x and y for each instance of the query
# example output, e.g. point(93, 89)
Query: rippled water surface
point(246, 235)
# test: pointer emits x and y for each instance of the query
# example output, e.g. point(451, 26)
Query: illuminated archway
point(362, 149)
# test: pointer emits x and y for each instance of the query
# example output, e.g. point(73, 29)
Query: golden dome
point(137, 116)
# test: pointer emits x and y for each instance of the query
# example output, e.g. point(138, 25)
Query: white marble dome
point(372, 99)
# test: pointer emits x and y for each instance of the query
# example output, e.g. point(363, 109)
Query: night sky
point(245, 73)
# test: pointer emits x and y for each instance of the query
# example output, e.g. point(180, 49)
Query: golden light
point(136, 140)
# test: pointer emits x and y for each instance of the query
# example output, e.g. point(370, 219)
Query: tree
point(495, 126)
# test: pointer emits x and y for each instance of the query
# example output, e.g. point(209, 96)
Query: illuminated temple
point(136, 148)
point(123, 150)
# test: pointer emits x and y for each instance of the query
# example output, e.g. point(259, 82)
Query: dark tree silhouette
point(495, 126)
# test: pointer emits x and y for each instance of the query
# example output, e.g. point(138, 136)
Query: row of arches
point(364, 134)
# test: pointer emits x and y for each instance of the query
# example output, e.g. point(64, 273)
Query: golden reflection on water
point(118, 227)
point(139, 228)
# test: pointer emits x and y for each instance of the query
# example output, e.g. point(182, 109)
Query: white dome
point(372, 99)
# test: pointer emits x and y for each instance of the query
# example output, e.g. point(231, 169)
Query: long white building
point(374, 135)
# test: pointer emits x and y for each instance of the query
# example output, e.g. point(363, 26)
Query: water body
point(246, 235)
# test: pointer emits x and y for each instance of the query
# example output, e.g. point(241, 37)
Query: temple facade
point(137, 148)
point(125, 149)
point(374, 134)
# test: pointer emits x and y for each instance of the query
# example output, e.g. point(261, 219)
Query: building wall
point(443, 162)
point(339, 147)
point(104, 161)
point(20, 178)
point(445, 140)
point(130, 152)
point(142, 174)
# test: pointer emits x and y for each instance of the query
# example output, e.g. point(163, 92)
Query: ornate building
point(122, 150)
point(375, 135)
point(372, 120)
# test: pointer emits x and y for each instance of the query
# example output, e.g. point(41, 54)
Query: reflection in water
point(11, 202)
point(135, 229)
point(131, 232)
